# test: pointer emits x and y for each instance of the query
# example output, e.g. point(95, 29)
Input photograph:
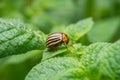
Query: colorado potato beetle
point(55, 39)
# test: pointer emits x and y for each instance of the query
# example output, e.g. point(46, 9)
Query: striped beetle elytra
point(55, 39)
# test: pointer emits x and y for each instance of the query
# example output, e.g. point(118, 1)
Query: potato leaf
point(109, 63)
point(75, 31)
point(89, 59)
point(71, 51)
point(15, 38)
point(91, 52)
point(102, 60)
point(64, 68)
point(49, 53)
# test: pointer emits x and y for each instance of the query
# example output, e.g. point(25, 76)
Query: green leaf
point(64, 68)
point(109, 63)
point(71, 51)
point(76, 50)
point(15, 38)
point(104, 30)
point(91, 52)
point(49, 53)
point(76, 31)
point(89, 59)
point(102, 60)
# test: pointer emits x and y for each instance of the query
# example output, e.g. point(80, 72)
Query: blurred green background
point(52, 16)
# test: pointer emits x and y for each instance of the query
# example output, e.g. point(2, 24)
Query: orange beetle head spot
point(65, 38)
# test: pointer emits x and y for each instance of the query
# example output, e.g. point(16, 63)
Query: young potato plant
point(96, 61)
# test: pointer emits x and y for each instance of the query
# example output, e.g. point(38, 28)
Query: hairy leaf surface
point(51, 53)
point(75, 31)
point(15, 38)
point(109, 63)
point(64, 68)
point(102, 60)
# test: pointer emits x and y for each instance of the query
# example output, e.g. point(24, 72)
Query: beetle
point(55, 39)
